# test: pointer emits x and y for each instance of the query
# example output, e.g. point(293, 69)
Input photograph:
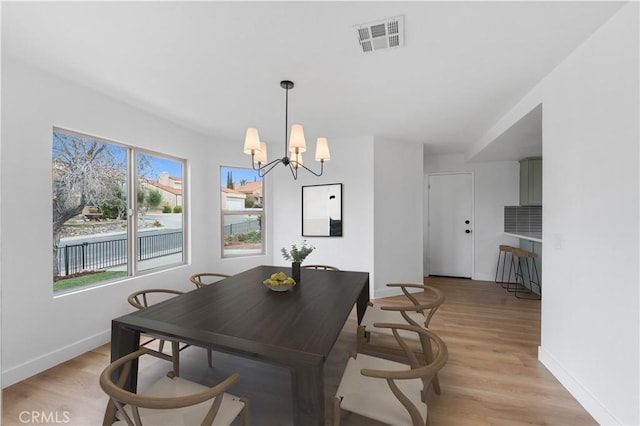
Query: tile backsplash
point(518, 219)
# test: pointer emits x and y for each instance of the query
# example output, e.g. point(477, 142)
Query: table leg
point(307, 387)
point(123, 342)
point(363, 301)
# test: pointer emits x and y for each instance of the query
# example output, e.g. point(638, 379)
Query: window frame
point(185, 210)
point(132, 210)
point(243, 212)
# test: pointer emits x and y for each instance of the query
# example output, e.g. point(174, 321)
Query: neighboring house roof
point(231, 191)
point(175, 191)
point(251, 188)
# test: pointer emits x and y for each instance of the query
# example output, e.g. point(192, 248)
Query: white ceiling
point(216, 66)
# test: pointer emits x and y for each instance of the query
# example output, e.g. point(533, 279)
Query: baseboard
point(476, 277)
point(483, 277)
point(590, 403)
point(37, 365)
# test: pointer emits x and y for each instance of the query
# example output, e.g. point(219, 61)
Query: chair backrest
point(142, 298)
point(435, 354)
point(322, 267)
point(429, 308)
point(206, 278)
point(120, 397)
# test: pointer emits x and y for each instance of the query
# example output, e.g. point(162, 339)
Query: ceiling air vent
point(382, 34)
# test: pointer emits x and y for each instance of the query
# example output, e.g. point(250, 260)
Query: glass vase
point(295, 271)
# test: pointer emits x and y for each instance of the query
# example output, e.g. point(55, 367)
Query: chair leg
point(436, 384)
point(361, 337)
point(175, 356)
point(520, 274)
point(336, 411)
point(498, 266)
point(529, 291)
point(110, 413)
point(535, 269)
point(245, 412)
point(514, 268)
point(503, 266)
point(209, 358)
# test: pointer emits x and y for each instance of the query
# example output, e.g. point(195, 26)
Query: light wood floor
point(492, 376)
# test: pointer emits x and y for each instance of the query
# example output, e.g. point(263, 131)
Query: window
point(242, 212)
point(160, 203)
point(99, 233)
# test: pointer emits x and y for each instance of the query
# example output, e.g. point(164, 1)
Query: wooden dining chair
point(321, 267)
point(391, 392)
point(169, 401)
point(206, 278)
point(203, 279)
point(378, 341)
point(412, 311)
point(144, 298)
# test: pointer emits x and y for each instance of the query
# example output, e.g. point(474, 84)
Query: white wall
point(382, 211)
point(496, 184)
point(590, 304)
point(352, 165)
point(38, 330)
point(590, 146)
point(398, 215)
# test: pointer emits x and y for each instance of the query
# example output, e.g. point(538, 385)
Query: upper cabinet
point(531, 181)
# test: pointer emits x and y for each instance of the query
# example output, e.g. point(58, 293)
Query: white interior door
point(450, 224)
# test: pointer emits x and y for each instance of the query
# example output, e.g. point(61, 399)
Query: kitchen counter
point(531, 236)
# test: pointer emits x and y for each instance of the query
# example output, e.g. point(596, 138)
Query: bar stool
point(518, 258)
point(504, 251)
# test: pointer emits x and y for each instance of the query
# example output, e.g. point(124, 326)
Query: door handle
point(467, 231)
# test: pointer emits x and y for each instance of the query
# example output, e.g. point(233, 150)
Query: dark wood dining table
point(239, 315)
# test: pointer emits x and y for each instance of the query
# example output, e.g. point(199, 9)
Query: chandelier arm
point(253, 164)
point(294, 171)
point(267, 167)
point(311, 171)
point(270, 164)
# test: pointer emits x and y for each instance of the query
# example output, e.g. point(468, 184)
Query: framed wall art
point(322, 210)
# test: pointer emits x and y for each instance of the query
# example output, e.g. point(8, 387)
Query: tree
point(154, 198)
point(115, 208)
point(249, 202)
point(243, 182)
point(141, 196)
point(229, 180)
point(85, 172)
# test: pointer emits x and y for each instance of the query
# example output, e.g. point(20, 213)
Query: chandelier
point(293, 147)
